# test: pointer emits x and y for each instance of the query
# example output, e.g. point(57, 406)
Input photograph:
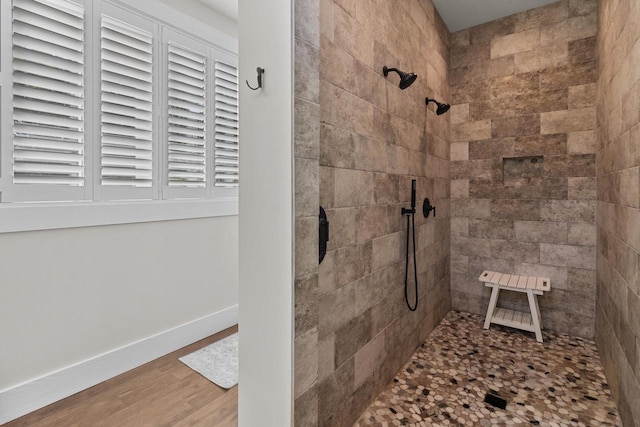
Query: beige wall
point(353, 328)
point(69, 295)
point(618, 213)
point(523, 91)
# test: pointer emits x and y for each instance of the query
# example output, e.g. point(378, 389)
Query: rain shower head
point(406, 79)
point(442, 108)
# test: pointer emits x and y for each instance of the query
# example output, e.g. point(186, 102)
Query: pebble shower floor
point(560, 382)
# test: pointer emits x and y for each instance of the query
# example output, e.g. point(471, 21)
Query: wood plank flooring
point(164, 392)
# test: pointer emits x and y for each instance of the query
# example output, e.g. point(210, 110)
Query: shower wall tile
point(373, 139)
point(533, 98)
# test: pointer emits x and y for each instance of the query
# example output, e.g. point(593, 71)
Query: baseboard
point(35, 394)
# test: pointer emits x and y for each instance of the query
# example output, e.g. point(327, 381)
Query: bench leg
point(492, 306)
point(535, 314)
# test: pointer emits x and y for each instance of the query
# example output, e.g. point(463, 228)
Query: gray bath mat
point(217, 362)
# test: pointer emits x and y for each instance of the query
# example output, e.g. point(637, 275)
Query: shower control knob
point(427, 207)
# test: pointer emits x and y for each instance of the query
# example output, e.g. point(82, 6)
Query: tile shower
point(542, 102)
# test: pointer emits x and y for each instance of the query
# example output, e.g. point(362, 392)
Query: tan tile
point(335, 309)
point(371, 222)
point(517, 126)
point(352, 337)
point(459, 188)
point(307, 21)
point(459, 113)
point(517, 85)
point(368, 358)
point(472, 208)
point(568, 211)
point(336, 65)
point(327, 195)
point(459, 151)
point(337, 147)
point(491, 228)
point(307, 129)
point(536, 231)
point(386, 250)
point(582, 188)
point(515, 251)
point(352, 37)
point(353, 188)
point(306, 260)
point(307, 66)
point(327, 26)
point(342, 227)
point(306, 187)
point(471, 131)
point(326, 356)
point(470, 246)
point(568, 256)
point(583, 142)
point(582, 119)
point(534, 18)
point(515, 43)
point(583, 50)
point(370, 154)
point(582, 7)
point(582, 234)
point(459, 226)
point(516, 209)
point(460, 38)
point(541, 58)
point(582, 96)
point(575, 28)
point(306, 366)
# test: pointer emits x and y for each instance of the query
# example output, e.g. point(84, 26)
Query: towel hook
point(260, 73)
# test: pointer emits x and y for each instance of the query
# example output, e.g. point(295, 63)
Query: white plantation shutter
point(186, 117)
point(48, 99)
point(126, 64)
point(226, 125)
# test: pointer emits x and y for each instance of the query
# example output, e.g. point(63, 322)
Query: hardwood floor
point(164, 392)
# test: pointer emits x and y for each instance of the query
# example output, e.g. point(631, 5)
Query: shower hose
point(415, 265)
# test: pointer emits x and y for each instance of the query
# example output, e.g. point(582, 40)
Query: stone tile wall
point(307, 199)
point(523, 165)
point(618, 195)
point(369, 138)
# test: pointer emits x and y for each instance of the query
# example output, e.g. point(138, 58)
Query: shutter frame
point(226, 132)
point(187, 138)
point(45, 86)
point(126, 157)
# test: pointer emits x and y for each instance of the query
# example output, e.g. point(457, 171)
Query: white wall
point(266, 215)
point(205, 14)
point(69, 295)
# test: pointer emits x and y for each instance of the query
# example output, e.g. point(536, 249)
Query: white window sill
point(16, 217)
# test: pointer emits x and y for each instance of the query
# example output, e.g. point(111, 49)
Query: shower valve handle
point(427, 207)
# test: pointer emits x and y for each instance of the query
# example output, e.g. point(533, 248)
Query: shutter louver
point(226, 125)
point(186, 118)
point(126, 105)
point(48, 92)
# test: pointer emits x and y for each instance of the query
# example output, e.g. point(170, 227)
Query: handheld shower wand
point(410, 213)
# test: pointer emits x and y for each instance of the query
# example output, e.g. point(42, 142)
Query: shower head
point(442, 108)
point(406, 79)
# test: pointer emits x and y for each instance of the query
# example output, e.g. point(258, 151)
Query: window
point(103, 105)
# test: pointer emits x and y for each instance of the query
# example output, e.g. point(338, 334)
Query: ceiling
point(228, 8)
point(457, 14)
point(460, 14)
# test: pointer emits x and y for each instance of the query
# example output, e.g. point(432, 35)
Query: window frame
point(97, 208)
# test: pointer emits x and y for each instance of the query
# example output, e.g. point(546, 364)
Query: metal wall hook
point(260, 73)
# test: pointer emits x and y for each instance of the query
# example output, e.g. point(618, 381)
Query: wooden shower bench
point(532, 286)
